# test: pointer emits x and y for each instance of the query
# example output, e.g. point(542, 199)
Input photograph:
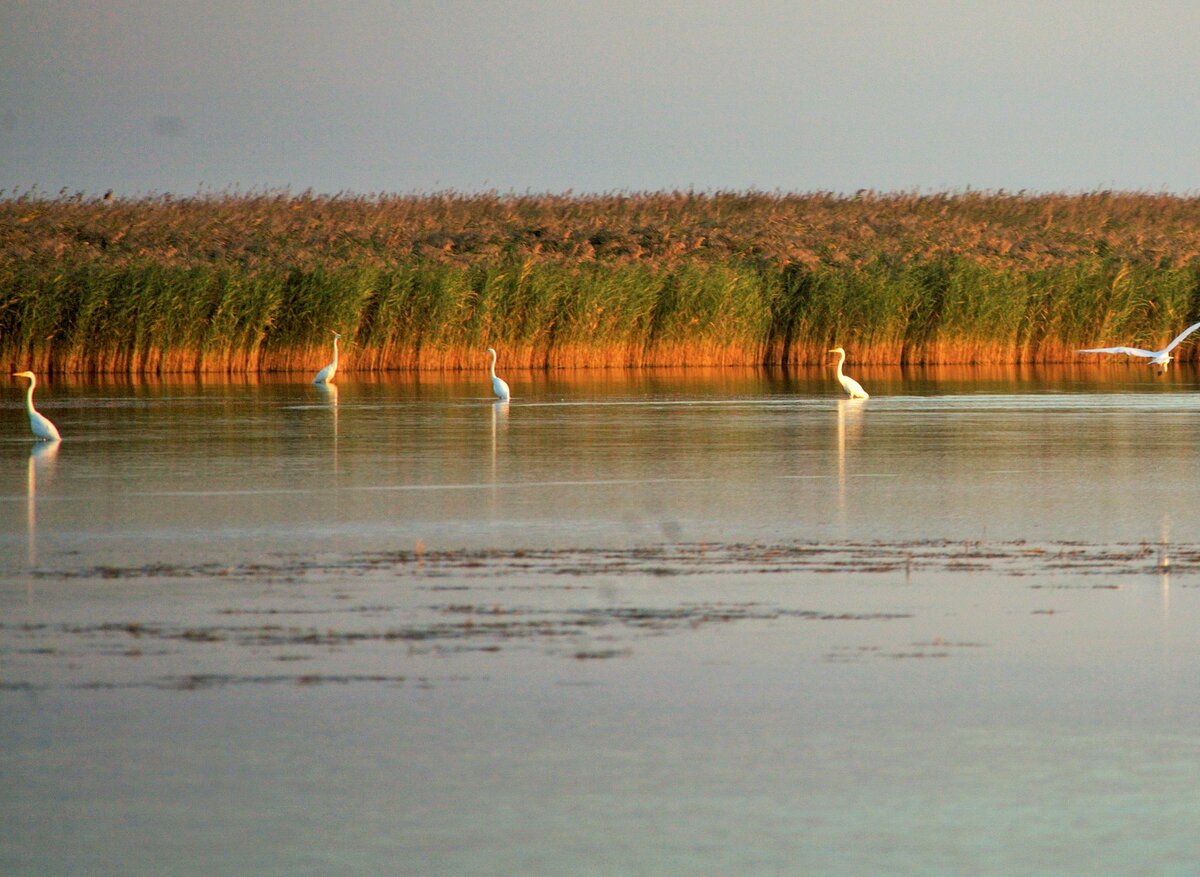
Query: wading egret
point(1159, 358)
point(851, 386)
point(42, 428)
point(498, 386)
point(325, 375)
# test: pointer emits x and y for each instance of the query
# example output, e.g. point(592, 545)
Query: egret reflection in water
point(499, 423)
point(328, 393)
point(41, 460)
point(1164, 542)
point(329, 397)
point(849, 424)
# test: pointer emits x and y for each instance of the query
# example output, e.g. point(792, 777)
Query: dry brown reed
point(250, 282)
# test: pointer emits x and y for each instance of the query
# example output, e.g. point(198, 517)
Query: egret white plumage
point(42, 428)
point(1160, 358)
point(498, 386)
point(325, 375)
point(851, 386)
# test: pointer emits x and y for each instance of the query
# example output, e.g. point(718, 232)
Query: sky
point(361, 96)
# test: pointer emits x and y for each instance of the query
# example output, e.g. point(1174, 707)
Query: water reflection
point(41, 460)
point(1164, 565)
point(716, 459)
point(849, 426)
point(329, 395)
point(165, 474)
point(499, 425)
point(1164, 542)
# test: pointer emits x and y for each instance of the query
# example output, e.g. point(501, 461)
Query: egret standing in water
point(325, 375)
point(498, 386)
point(42, 428)
point(851, 386)
point(1160, 358)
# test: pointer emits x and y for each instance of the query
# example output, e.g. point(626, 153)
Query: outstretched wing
point(1186, 332)
point(1132, 351)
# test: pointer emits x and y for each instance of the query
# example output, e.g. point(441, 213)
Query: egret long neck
point(841, 359)
point(335, 341)
point(29, 395)
point(492, 365)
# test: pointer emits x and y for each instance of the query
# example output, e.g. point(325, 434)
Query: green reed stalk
point(260, 283)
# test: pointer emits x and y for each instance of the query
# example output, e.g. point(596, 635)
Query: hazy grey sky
point(171, 96)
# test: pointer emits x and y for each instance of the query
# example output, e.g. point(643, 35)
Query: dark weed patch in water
point(935, 648)
point(476, 613)
point(1017, 558)
point(440, 630)
point(601, 654)
point(201, 681)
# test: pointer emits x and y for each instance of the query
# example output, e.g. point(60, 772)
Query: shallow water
point(713, 622)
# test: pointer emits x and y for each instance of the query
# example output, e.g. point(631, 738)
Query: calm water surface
point(679, 622)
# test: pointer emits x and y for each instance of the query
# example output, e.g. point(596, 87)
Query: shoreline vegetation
point(239, 283)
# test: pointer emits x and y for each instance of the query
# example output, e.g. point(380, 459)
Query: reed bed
point(256, 282)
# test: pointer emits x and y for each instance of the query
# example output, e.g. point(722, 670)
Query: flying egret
point(1159, 358)
point(325, 375)
point(851, 386)
point(498, 386)
point(42, 428)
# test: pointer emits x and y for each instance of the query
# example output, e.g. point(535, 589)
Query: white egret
point(851, 386)
point(1159, 358)
point(498, 386)
point(42, 428)
point(325, 375)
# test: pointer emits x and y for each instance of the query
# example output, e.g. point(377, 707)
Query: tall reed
point(257, 282)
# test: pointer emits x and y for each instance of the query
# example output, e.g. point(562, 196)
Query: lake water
point(653, 623)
